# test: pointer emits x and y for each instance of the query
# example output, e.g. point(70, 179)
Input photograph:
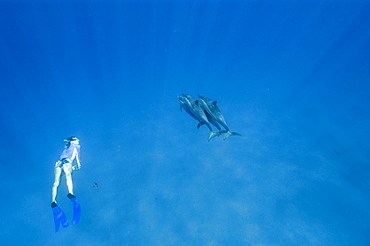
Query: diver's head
point(72, 140)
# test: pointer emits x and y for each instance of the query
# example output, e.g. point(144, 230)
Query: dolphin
point(197, 111)
point(211, 120)
point(192, 107)
point(212, 109)
point(183, 105)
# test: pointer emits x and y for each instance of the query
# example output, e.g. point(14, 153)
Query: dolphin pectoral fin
point(200, 124)
point(229, 134)
point(213, 134)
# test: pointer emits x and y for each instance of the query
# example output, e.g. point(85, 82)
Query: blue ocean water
point(291, 76)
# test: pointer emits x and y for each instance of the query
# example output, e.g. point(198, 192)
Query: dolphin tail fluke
point(229, 134)
point(213, 134)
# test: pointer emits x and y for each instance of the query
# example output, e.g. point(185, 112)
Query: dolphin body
point(192, 107)
point(197, 111)
point(212, 109)
point(213, 121)
point(183, 105)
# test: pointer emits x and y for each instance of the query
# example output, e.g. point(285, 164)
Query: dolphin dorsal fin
point(215, 103)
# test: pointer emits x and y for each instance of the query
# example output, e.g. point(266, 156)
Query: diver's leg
point(54, 189)
point(67, 168)
point(76, 208)
point(59, 217)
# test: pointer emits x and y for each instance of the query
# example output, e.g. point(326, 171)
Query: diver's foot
point(71, 195)
point(54, 204)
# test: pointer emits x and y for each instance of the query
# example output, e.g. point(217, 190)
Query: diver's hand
point(78, 167)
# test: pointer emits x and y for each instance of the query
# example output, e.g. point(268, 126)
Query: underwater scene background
point(292, 77)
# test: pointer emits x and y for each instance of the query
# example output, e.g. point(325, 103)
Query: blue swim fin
point(59, 217)
point(76, 208)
